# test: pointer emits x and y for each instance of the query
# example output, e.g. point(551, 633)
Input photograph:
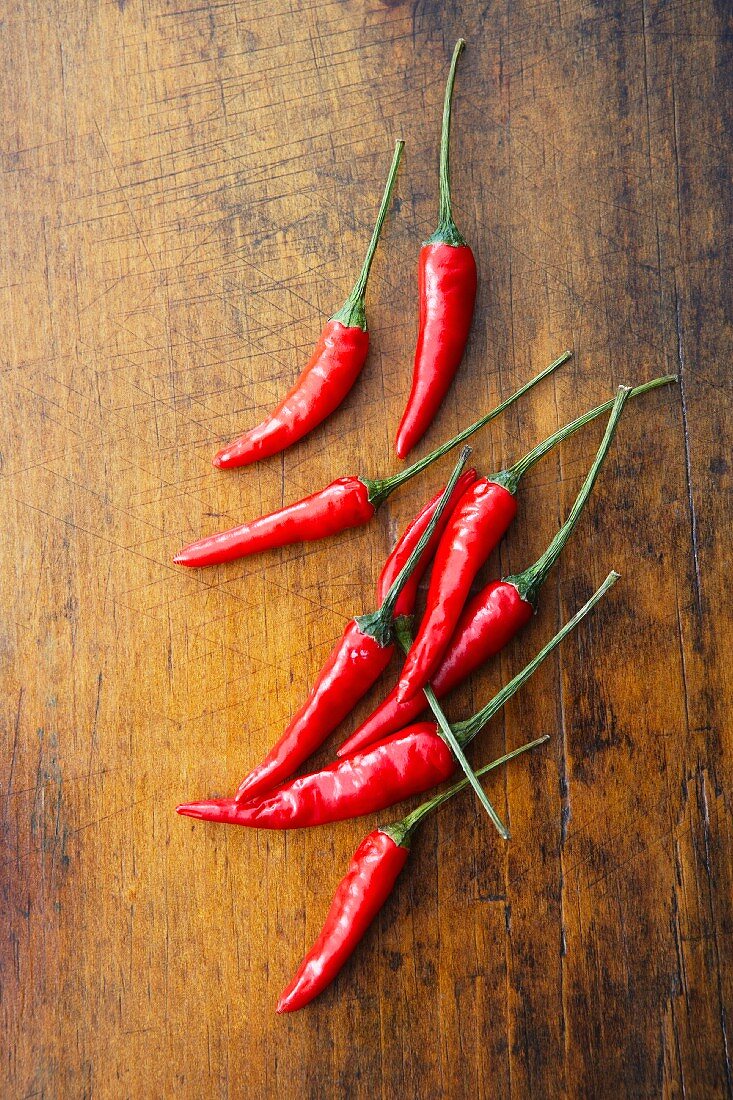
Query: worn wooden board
point(186, 193)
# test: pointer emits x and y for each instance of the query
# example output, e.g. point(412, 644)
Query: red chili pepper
point(372, 873)
point(332, 370)
point(404, 764)
point(342, 504)
point(364, 651)
point(387, 772)
point(447, 293)
point(475, 527)
point(360, 895)
point(348, 502)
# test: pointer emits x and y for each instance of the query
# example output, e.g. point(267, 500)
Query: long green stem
point(529, 582)
point(404, 637)
point(380, 490)
point(379, 624)
point(401, 831)
point(466, 731)
point(352, 313)
point(447, 233)
point(511, 477)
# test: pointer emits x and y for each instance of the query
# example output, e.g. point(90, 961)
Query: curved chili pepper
point(332, 370)
point(343, 504)
point(356, 663)
point(447, 293)
point(476, 525)
point(373, 871)
point(489, 620)
point(360, 895)
point(347, 502)
point(364, 651)
point(402, 765)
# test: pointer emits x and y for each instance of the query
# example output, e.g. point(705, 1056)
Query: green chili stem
point(405, 639)
point(380, 490)
point(379, 624)
point(447, 233)
point(466, 731)
point(529, 582)
point(401, 831)
point(449, 737)
point(511, 477)
point(352, 313)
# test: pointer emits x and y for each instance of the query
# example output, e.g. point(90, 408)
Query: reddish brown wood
point(186, 191)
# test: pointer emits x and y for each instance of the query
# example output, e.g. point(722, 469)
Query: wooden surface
point(187, 190)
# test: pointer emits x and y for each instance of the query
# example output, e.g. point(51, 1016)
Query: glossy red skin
point(407, 763)
point(447, 293)
point(333, 368)
point(342, 504)
point(488, 623)
point(475, 527)
point(409, 540)
point(355, 663)
point(370, 879)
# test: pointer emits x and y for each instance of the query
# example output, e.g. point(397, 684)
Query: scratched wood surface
point(186, 192)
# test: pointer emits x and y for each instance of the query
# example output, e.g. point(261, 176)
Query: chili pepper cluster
point(396, 753)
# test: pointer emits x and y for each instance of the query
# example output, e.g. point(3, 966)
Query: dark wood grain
point(186, 191)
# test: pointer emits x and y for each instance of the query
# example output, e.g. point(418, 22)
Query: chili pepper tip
point(188, 809)
point(214, 809)
point(222, 459)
